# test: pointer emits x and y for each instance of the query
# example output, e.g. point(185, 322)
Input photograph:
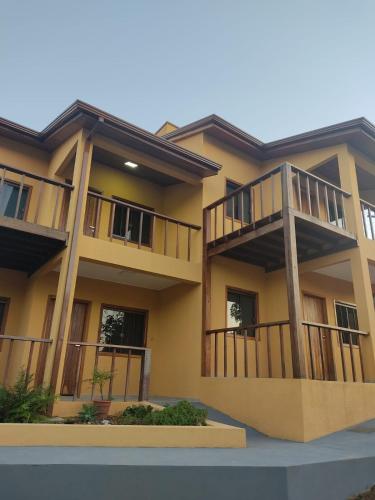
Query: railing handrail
point(243, 187)
point(112, 346)
point(144, 210)
point(364, 202)
point(37, 177)
point(247, 327)
point(334, 328)
point(319, 179)
point(25, 339)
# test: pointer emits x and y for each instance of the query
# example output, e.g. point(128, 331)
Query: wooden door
point(43, 348)
point(76, 333)
point(321, 348)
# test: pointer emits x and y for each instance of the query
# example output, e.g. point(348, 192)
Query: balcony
point(33, 213)
point(248, 224)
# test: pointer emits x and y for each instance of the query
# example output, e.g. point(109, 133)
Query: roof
point(82, 115)
point(359, 132)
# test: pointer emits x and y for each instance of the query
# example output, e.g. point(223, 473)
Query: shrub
point(87, 414)
point(183, 413)
point(23, 403)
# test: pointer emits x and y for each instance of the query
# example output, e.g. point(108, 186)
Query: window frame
point(238, 184)
point(29, 188)
point(241, 291)
point(349, 305)
point(123, 238)
point(145, 312)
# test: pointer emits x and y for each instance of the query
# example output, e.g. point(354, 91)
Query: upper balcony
point(248, 224)
point(33, 214)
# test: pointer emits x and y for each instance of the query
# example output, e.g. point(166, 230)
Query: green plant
point(99, 378)
point(183, 413)
point(87, 414)
point(23, 403)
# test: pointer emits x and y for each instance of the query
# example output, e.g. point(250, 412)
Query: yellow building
point(196, 262)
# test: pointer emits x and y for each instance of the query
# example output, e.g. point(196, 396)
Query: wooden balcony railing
point(263, 350)
point(135, 364)
point(112, 219)
point(259, 202)
point(334, 353)
point(33, 198)
point(12, 357)
point(368, 219)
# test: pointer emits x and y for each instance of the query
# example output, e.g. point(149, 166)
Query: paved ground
point(333, 467)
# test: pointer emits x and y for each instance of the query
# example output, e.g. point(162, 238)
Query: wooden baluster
point(225, 355)
point(269, 360)
point(216, 354)
point(335, 207)
point(342, 356)
point(326, 202)
point(311, 352)
point(56, 206)
point(257, 334)
point(245, 354)
point(127, 218)
point(30, 358)
point(308, 194)
point(299, 192)
point(233, 205)
point(364, 219)
point(178, 241)
point(7, 365)
point(242, 208)
point(251, 213)
point(272, 194)
point(317, 198)
point(370, 216)
point(261, 200)
point(215, 223)
point(224, 216)
point(235, 353)
point(165, 236)
point(361, 358)
point(127, 376)
point(20, 191)
point(113, 362)
point(39, 202)
point(282, 355)
point(97, 218)
point(343, 211)
point(111, 221)
point(140, 231)
point(76, 392)
point(354, 373)
point(94, 370)
point(321, 350)
point(253, 205)
point(2, 180)
point(189, 243)
point(153, 232)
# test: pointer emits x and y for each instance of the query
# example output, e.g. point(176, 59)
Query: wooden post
point(292, 279)
point(206, 296)
point(145, 375)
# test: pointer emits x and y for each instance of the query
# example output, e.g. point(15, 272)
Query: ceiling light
point(131, 164)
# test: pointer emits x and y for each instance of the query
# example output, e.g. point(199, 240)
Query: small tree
point(99, 378)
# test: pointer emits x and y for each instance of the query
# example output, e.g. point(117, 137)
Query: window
point(119, 224)
point(241, 309)
point(122, 327)
point(8, 200)
point(346, 315)
point(230, 187)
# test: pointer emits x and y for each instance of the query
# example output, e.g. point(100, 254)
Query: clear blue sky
point(272, 67)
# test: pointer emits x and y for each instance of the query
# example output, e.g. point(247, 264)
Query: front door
point(76, 334)
point(315, 310)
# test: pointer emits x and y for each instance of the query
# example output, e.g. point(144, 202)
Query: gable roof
point(82, 115)
point(359, 133)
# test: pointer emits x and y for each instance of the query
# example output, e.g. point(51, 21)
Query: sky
point(272, 67)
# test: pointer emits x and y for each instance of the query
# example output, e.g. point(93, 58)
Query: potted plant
point(99, 378)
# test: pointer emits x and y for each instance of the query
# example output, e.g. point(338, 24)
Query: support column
point(292, 279)
point(69, 265)
point(206, 297)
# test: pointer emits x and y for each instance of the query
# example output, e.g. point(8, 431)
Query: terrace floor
point(330, 468)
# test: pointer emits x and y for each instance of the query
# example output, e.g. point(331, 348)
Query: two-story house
point(197, 262)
